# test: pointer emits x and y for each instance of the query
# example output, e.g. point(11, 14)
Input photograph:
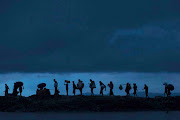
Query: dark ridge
point(87, 104)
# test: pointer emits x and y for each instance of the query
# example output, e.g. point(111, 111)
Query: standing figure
point(66, 83)
point(135, 89)
point(128, 88)
point(80, 86)
point(146, 90)
point(6, 89)
point(74, 88)
point(15, 92)
point(111, 86)
point(102, 87)
point(92, 85)
point(56, 87)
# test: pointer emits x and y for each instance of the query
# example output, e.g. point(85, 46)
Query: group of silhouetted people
point(80, 85)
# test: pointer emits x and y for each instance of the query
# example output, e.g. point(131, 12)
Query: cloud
point(88, 36)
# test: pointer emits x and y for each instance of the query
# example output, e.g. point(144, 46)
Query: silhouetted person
point(128, 88)
point(92, 86)
point(146, 90)
point(102, 87)
point(111, 86)
point(15, 92)
point(74, 88)
point(135, 89)
point(56, 87)
point(80, 86)
point(67, 84)
point(6, 89)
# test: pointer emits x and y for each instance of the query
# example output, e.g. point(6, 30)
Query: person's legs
point(146, 94)
point(74, 91)
point(55, 93)
point(111, 92)
point(128, 93)
point(80, 91)
point(67, 91)
point(101, 90)
point(6, 93)
point(91, 91)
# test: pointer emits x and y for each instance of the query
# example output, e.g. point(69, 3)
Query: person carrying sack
point(80, 86)
point(92, 86)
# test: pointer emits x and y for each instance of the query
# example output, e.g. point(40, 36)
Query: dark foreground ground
point(87, 104)
point(150, 115)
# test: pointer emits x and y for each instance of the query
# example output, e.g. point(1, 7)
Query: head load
point(169, 86)
point(67, 81)
point(18, 84)
point(42, 85)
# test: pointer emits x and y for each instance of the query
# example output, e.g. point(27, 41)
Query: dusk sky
point(90, 38)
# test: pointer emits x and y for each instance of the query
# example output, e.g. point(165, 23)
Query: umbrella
point(18, 84)
point(41, 85)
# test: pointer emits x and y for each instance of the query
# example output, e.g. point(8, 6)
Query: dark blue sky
point(89, 36)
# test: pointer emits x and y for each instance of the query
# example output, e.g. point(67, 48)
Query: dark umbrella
point(42, 85)
point(19, 84)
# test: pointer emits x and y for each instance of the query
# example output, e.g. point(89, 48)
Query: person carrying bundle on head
point(16, 86)
point(92, 85)
point(66, 82)
point(111, 86)
point(102, 87)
